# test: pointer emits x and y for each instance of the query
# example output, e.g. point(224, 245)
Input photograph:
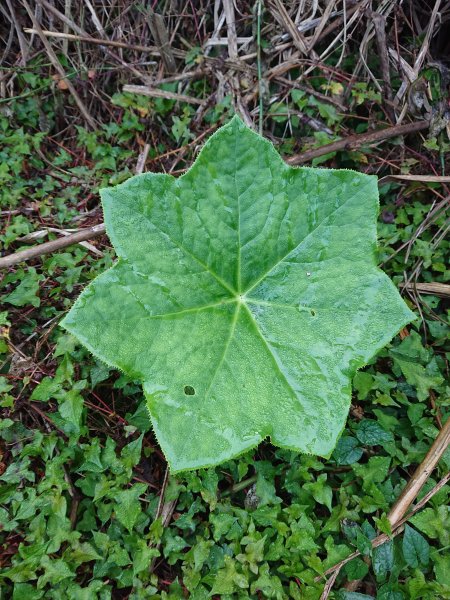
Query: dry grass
point(94, 48)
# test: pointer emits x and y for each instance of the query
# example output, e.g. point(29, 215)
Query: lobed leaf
point(245, 297)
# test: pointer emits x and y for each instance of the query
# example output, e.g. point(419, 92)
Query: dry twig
point(282, 16)
point(422, 178)
point(164, 511)
point(142, 159)
point(396, 515)
point(161, 37)
point(83, 33)
point(151, 50)
point(22, 42)
point(351, 142)
point(379, 22)
point(379, 540)
point(55, 62)
point(413, 73)
point(155, 93)
point(356, 141)
point(53, 246)
point(421, 474)
point(436, 288)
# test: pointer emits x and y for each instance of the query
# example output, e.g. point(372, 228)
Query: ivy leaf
point(356, 569)
point(387, 592)
point(434, 522)
point(127, 506)
point(416, 550)
point(26, 292)
point(228, 580)
point(408, 356)
point(347, 451)
point(321, 492)
point(245, 297)
point(442, 568)
point(267, 584)
point(383, 559)
point(370, 433)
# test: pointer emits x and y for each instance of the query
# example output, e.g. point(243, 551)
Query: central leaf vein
point(274, 358)
point(238, 266)
point(225, 350)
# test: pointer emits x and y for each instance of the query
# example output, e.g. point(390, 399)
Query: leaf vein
point(219, 279)
point(292, 250)
point(225, 350)
point(272, 355)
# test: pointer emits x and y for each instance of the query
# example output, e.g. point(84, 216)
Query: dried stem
point(164, 511)
point(421, 474)
point(55, 62)
point(53, 246)
point(379, 22)
point(161, 37)
point(155, 93)
point(396, 515)
point(355, 141)
point(434, 287)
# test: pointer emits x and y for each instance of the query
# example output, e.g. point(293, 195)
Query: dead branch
point(348, 143)
point(161, 37)
point(83, 33)
point(282, 16)
point(379, 22)
point(380, 539)
point(151, 50)
point(396, 515)
point(421, 474)
point(82, 36)
point(422, 178)
point(164, 511)
point(436, 288)
point(356, 141)
point(142, 159)
point(155, 93)
point(53, 246)
point(24, 49)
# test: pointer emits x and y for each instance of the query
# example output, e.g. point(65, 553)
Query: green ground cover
point(81, 472)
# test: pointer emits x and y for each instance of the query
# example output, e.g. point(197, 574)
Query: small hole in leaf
point(189, 390)
point(313, 313)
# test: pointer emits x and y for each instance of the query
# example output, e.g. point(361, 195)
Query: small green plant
point(245, 297)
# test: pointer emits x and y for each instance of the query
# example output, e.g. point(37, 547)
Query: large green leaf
point(245, 297)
